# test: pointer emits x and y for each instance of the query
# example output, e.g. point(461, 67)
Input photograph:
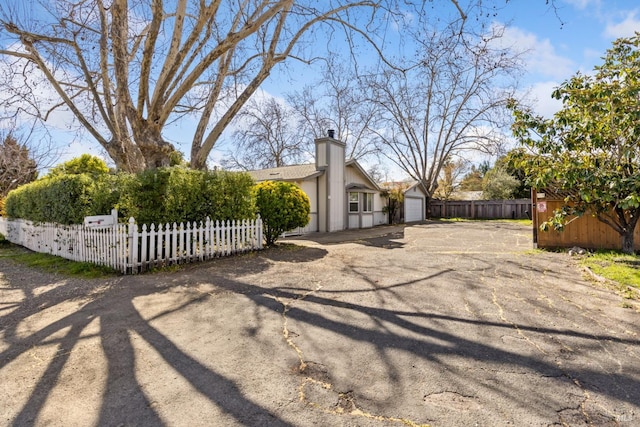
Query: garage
point(413, 209)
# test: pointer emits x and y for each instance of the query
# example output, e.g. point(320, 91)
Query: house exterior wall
point(331, 205)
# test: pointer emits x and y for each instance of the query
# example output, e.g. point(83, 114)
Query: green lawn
point(616, 266)
point(52, 264)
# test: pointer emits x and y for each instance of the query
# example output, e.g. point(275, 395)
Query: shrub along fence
point(130, 248)
point(481, 209)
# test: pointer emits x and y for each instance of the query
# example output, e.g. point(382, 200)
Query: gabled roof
point(354, 163)
point(286, 173)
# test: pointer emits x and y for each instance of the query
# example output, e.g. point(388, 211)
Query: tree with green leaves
point(499, 184)
point(283, 206)
point(590, 149)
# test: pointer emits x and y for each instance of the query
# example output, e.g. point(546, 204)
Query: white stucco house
point(342, 194)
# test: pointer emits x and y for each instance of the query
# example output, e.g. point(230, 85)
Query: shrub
point(85, 164)
point(64, 199)
point(177, 194)
point(283, 206)
point(158, 196)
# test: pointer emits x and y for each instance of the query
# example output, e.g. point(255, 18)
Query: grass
point(53, 264)
point(512, 221)
point(616, 266)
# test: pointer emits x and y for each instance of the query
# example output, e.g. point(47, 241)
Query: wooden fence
point(481, 209)
point(586, 231)
point(130, 248)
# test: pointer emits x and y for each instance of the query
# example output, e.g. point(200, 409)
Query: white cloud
point(583, 4)
point(539, 54)
point(540, 98)
point(625, 28)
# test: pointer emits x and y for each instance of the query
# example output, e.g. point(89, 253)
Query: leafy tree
point(395, 199)
point(449, 180)
point(283, 206)
point(17, 167)
point(472, 181)
point(590, 149)
point(85, 164)
point(511, 163)
point(499, 184)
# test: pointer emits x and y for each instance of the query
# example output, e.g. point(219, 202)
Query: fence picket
point(128, 249)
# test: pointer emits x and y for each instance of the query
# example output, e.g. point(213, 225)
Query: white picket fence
point(130, 248)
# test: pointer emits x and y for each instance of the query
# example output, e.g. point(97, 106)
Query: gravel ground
point(442, 324)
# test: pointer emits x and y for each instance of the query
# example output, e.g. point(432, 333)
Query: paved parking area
point(443, 324)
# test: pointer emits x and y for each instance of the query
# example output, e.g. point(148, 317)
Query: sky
point(560, 41)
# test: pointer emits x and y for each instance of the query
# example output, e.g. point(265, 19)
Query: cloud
point(583, 4)
point(625, 28)
point(539, 96)
point(539, 54)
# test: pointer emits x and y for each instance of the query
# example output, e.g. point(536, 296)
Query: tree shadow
point(124, 402)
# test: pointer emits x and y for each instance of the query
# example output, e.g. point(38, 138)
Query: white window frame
point(367, 202)
point(353, 202)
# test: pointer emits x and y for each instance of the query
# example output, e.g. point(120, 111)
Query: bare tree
point(267, 138)
point(17, 166)
point(337, 102)
point(127, 68)
point(452, 100)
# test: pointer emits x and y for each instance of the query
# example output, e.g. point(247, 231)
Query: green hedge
point(64, 199)
point(163, 195)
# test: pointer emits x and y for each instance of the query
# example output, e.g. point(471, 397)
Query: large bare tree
point(336, 102)
point(266, 137)
point(127, 68)
point(451, 100)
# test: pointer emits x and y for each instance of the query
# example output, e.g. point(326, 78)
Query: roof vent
point(331, 133)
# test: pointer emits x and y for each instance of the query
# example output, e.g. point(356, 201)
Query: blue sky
point(575, 40)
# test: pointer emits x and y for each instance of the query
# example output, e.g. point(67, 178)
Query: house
point(342, 195)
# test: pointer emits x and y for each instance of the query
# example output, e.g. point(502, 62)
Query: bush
point(283, 206)
point(64, 199)
point(85, 164)
point(178, 194)
point(158, 196)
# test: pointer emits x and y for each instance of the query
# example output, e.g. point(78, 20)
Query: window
point(367, 202)
point(354, 199)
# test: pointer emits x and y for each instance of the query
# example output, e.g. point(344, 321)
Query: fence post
point(259, 232)
point(133, 245)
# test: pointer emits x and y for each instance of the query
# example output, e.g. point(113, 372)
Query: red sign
point(541, 207)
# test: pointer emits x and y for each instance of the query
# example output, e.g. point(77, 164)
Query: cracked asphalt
point(440, 324)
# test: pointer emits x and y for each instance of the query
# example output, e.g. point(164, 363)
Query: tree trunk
point(150, 151)
point(627, 241)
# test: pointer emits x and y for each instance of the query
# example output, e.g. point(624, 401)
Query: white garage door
point(413, 210)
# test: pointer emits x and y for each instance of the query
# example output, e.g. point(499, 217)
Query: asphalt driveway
point(443, 324)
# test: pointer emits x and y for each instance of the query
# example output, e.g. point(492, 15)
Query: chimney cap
point(331, 133)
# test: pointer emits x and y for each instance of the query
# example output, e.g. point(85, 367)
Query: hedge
point(174, 194)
